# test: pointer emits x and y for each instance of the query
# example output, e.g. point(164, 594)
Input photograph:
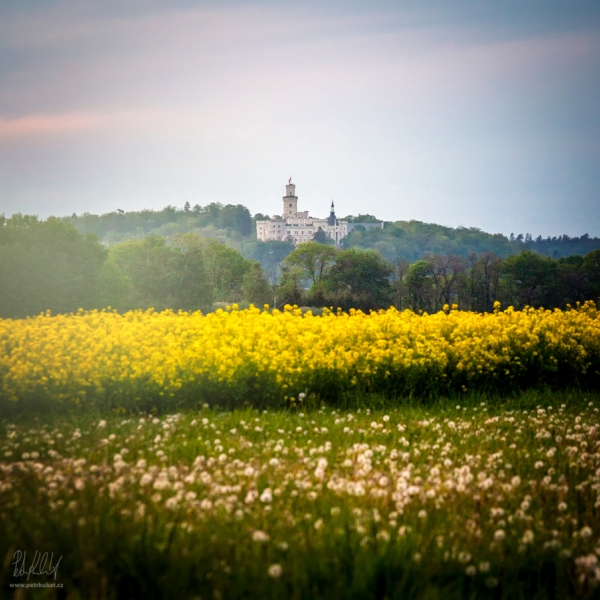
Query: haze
point(478, 114)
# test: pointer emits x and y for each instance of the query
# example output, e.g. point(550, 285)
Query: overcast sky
point(476, 113)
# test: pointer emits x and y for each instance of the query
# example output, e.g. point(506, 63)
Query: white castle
point(298, 227)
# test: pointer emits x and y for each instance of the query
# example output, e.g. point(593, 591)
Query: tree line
point(120, 225)
point(49, 265)
point(410, 240)
point(413, 240)
point(319, 275)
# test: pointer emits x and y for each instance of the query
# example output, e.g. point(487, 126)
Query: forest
point(407, 240)
point(50, 265)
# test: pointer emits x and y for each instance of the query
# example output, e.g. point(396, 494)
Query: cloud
point(186, 55)
point(35, 125)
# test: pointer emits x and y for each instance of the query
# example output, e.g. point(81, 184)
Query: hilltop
point(408, 240)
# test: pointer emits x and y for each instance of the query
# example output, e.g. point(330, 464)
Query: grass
point(475, 498)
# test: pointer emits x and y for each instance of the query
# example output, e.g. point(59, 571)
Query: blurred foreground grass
point(481, 500)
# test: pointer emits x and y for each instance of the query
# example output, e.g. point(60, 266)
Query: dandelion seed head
point(275, 571)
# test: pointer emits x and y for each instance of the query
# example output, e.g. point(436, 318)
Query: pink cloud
point(205, 122)
point(34, 125)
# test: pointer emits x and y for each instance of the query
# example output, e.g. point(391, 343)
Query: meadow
point(483, 500)
point(277, 454)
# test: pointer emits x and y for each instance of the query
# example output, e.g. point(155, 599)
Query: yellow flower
point(144, 357)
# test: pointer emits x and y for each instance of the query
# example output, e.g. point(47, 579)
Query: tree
point(225, 266)
point(418, 282)
point(572, 281)
point(115, 286)
point(445, 271)
point(191, 289)
point(366, 218)
point(47, 266)
point(236, 217)
point(270, 255)
point(398, 283)
point(533, 276)
point(481, 284)
point(289, 290)
point(314, 260)
point(162, 276)
point(256, 288)
point(320, 237)
point(359, 279)
point(591, 265)
point(411, 240)
point(148, 264)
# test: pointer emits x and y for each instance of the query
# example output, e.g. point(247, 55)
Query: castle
point(298, 227)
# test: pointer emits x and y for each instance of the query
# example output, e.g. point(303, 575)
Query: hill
point(408, 240)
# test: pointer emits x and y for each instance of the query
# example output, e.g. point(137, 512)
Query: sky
point(464, 113)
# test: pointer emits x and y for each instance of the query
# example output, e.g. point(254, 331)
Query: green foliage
point(115, 286)
point(347, 279)
point(163, 277)
point(314, 259)
point(366, 218)
point(47, 266)
point(591, 265)
point(359, 279)
point(289, 290)
point(533, 277)
point(320, 237)
point(481, 285)
point(189, 274)
point(409, 240)
point(225, 266)
point(256, 288)
point(525, 279)
point(50, 266)
point(270, 255)
point(571, 283)
point(417, 282)
point(413, 240)
point(120, 225)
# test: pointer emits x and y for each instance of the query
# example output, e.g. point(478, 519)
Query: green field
point(479, 498)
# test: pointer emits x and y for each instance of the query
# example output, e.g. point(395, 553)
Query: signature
point(40, 565)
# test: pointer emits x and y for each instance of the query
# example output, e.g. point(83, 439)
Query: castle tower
point(290, 201)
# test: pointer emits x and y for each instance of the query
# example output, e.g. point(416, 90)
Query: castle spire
point(332, 219)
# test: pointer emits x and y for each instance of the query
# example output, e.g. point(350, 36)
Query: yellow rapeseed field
point(146, 359)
